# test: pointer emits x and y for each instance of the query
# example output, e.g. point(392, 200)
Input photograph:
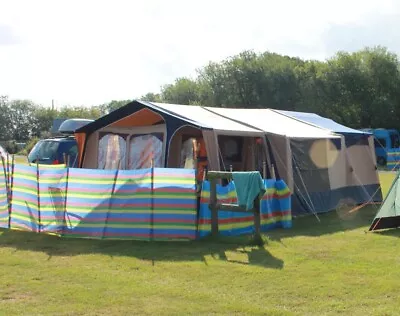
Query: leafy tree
point(112, 106)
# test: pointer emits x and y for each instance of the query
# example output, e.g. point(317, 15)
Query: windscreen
point(44, 150)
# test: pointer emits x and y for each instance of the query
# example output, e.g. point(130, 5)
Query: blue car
point(53, 151)
point(59, 150)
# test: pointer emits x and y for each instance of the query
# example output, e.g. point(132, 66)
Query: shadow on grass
point(221, 248)
point(329, 223)
point(393, 232)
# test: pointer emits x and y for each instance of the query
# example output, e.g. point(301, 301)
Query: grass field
point(321, 268)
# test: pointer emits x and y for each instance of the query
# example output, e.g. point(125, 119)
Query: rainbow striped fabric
point(24, 199)
point(147, 204)
point(393, 159)
point(275, 210)
point(128, 204)
point(3, 199)
point(141, 204)
point(29, 196)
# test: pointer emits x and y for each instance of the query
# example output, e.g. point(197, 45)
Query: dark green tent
point(388, 215)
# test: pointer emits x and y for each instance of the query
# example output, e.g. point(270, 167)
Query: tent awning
point(275, 123)
point(322, 122)
point(207, 119)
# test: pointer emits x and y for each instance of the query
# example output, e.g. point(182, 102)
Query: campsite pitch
point(315, 268)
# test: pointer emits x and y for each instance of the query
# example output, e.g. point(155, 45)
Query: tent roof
point(321, 122)
point(225, 120)
point(204, 118)
point(181, 114)
point(273, 122)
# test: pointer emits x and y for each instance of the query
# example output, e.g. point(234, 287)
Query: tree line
point(359, 89)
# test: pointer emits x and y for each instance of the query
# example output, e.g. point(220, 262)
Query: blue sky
point(90, 52)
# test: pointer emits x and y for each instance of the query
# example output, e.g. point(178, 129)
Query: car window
point(69, 150)
point(44, 150)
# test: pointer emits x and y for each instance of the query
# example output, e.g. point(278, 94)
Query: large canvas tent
point(362, 181)
point(119, 136)
point(313, 161)
point(322, 170)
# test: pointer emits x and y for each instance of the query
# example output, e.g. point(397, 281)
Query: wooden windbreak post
point(264, 165)
point(152, 200)
point(64, 227)
point(213, 206)
point(213, 177)
point(11, 186)
point(273, 172)
point(8, 189)
point(38, 195)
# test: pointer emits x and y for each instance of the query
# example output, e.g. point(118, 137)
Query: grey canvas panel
point(310, 174)
point(325, 201)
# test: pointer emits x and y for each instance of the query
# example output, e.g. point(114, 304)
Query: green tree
point(112, 106)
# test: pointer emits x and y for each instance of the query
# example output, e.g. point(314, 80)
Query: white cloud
point(89, 52)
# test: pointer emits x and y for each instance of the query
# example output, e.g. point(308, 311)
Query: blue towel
point(249, 185)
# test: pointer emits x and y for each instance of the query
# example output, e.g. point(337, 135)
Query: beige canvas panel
point(248, 154)
point(338, 170)
point(91, 149)
point(211, 141)
point(282, 154)
point(372, 149)
point(362, 165)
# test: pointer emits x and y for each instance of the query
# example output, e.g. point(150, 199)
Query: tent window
point(145, 148)
point(187, 154)
point(231, 149)
point(112, 151)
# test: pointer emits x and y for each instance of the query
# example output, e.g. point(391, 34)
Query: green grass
point(320, 268)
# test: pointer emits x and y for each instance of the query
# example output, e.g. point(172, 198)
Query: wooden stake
point(264, 165)
point(152, 201)
point(213, 207)
point(11, 190)
point(38, 195)
point(257, 218)
point(273, 172)
point(6, 183)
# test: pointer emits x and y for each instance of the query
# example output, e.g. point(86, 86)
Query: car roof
point(59, 139)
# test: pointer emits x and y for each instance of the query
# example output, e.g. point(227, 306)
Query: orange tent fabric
point(202, 160)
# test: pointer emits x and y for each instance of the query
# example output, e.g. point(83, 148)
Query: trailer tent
point(119, 138)
point(312, 160)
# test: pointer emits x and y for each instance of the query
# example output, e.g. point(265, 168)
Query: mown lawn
point(320, 268)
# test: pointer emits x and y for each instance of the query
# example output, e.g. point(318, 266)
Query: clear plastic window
point(145, 148)
point(112, 152)
point(187, 154)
